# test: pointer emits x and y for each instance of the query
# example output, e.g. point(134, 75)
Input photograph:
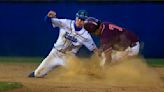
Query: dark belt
point(59, 50)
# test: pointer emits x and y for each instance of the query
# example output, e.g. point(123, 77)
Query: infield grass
point(4, 86)
point(155, 62)
point(29, 60)
point(20, 59)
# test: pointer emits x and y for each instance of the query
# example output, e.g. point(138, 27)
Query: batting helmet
point(91, 24)
point(82, 14)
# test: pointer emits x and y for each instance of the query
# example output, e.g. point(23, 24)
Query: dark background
point(23, 31)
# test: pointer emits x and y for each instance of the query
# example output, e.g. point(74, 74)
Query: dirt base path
point(19, 72)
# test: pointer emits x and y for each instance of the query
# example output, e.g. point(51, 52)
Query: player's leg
point(54, 59)
point(130, 51)
point(133, 51)
point(118, 55)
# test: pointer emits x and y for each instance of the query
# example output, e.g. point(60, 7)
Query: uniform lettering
point(69, 37)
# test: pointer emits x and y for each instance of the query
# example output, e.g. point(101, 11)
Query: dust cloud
point(127, 72)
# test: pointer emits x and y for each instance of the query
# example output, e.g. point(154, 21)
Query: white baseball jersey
point(69, 39)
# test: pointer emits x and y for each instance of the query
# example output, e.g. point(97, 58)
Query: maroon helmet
point(91, 24)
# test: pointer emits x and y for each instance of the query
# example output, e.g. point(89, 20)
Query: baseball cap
point(82, 14)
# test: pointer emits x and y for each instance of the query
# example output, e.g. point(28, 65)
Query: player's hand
point(102, 59)
point(106, 57)
point(51, 14)
point(101, 56)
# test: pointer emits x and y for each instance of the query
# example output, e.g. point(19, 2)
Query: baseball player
point(115, 42)
point(71, 37)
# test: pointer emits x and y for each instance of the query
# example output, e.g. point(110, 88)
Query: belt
point(62, 51)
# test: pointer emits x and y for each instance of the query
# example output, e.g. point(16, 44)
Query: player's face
point(79, 22)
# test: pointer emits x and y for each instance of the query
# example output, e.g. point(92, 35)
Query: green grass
point(20, 59)
point(152, 62)
point(155, 62)
point(9, 85)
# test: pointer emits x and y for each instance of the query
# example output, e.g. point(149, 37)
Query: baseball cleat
point(32, 74)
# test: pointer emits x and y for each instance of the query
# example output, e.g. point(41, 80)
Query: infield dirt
point(85, 75)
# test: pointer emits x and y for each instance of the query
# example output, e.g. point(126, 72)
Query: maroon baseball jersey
point(115, 37)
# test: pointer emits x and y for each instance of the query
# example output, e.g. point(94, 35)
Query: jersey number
point(112, 27)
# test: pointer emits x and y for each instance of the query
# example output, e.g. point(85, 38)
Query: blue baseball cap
point(82, 14)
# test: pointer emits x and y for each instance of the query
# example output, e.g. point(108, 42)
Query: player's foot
point(32, 74)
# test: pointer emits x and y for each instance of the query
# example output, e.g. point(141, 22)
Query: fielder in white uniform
point(71, 37)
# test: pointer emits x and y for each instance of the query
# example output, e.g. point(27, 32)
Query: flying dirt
point(129, 72)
